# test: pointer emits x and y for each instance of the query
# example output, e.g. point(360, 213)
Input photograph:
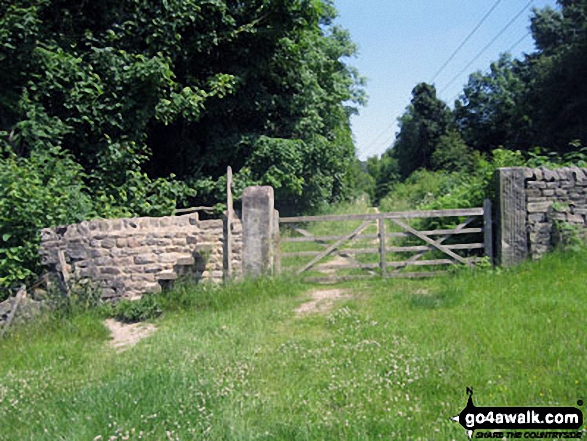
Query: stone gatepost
point(258, 225)
point(512, 230)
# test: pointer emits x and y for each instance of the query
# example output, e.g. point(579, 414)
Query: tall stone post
point(258, 224)
point(512, 230)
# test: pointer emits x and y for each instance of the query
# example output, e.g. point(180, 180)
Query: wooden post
point(382, 260)
point(64, 273)
point(21, 294)
point(488, 229)
point(276, 244)
point(229, 217)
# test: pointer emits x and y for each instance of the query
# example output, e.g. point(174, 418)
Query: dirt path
point(125, 335)
point(338, 260)
point(322, 301)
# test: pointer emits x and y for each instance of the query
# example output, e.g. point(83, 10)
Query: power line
point(515, 45)
point(467, 38)
point(372, 144)
point(375, 148)
point(510, 49)
point(505, 28)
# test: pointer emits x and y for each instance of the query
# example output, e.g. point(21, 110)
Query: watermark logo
point(474, 418)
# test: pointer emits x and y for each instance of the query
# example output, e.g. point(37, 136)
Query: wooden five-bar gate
point(331, 256)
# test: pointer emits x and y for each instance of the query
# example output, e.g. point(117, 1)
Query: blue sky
point(404, 42)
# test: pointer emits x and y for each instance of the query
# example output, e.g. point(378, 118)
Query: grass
point(236, 363)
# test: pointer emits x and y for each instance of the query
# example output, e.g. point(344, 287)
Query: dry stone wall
point(127, 258)
point(530, 203)
point(551, 196)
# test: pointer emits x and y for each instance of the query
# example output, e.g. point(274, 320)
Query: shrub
point(42, 190)
point(132, 311)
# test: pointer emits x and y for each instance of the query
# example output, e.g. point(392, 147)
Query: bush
point(132, 311)
point(45, 189)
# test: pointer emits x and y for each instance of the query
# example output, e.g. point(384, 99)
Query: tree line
point(136, 107)
point(536, 105)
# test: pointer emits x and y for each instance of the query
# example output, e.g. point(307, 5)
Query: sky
point(404, 42)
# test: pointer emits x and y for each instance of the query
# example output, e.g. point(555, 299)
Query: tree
point(494, 109)
point(385, 173)
point(425, 121)
point(181, 87)
point(452, 153)
point(561, 68)
point(149, 101)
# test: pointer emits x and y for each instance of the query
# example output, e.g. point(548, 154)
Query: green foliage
point(45, 189)
point(362, 180)
point(538, 157)
point(132, 311)
point(385, 172)
point(279, 163)
point(561, 37)
point(493, 110)
point(80, 298)
point(425, 121)
point(466, 190)
point(451, 153)
point(569, 236)
point(419, 189)
point(136, 92)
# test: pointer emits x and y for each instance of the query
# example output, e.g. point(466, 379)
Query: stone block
point(575, 218)
point(144, 259)
point(141, 277)
point(110, 270)
point(539, 206)
point(192, 240)
point(189, 260)
point(533, 193)
point(130, 224)
point(531, 199)
point(512, 246)
point(537, 217)
point(108, 243)
point(166, 275)
point(108, 293)
point(549, 175)
point(153, 269)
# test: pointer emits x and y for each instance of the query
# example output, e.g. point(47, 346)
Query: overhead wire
point(467, 38)
point(375, 142)
point(517, 43)
point(487, 46)
point(375, 145)
point(510, 49)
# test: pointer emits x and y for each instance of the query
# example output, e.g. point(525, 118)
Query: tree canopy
point(145, 103)
point(425, 121)
point(183, 87)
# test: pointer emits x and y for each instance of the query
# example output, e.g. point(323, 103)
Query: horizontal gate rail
point(393, 215)
point(376, 236)
point(351, 251)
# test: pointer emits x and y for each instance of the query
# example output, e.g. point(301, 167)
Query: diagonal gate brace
point(438, 241)
point(436, 245)
point(334, 246)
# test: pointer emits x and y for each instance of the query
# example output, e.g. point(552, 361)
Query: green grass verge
point(236, 362)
